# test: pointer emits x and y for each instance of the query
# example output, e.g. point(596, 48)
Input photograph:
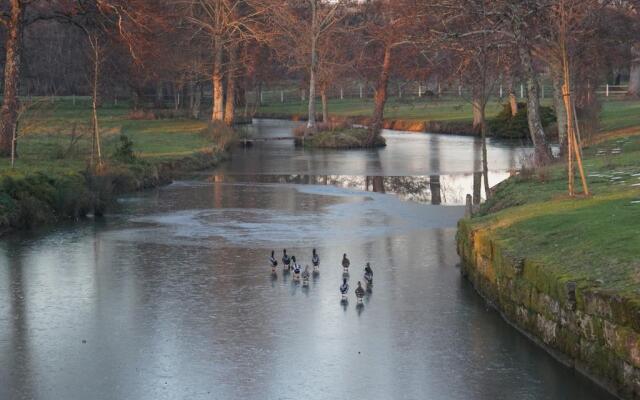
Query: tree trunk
point(311, 124)
point(477, 117)
point(477, 188)
point(558, 104)
point(513, 99)
point(196, 100)
point(543, 153)
point(485, 158)
point(230, 106)
point(217, 113)
point(159, 100)
point(325, 106)
point(96, 148)
point(10, 101)
point(634, 72)
point(380, 98)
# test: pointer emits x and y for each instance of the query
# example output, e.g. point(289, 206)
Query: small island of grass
point(337, 136)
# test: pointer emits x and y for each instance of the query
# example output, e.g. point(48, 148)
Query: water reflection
point(432, 189)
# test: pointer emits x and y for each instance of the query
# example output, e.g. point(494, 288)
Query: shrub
point(141, 115)
point(321, 127)
point(505, 125)
point(124, 150)
point(222, 136)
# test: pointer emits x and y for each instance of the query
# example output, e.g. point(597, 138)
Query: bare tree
point(13, 21)
point(300, 27)
point(227, 23)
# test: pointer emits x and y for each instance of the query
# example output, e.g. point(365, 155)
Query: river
point(171, 296)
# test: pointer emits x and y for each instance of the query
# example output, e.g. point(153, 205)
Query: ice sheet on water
point(362, 216)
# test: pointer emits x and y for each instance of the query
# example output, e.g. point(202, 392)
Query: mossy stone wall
point(591, 329)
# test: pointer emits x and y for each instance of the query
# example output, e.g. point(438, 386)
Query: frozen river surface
point(171, 297)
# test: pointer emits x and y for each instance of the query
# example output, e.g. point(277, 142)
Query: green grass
point(411, 109)
point(615, 114)
point(619, 114)
point(584, 239)
point(46, 132)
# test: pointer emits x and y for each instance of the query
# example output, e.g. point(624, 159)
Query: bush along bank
point(336, 136)
point(29, 200)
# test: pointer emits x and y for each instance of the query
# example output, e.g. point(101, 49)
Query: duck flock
point(290, 264)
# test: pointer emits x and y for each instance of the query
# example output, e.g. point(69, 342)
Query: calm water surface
point(171, 297)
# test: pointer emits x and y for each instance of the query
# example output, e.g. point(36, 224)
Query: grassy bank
point(50, 180)
point(597, 238)
point(567, 271)
point(447, 115)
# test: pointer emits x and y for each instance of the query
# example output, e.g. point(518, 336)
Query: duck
point(296, 268)
point(273, 261)
point(305, 276)
point(368, 275)
point(345, 263)
point(359, 293)
point(344, 289)
point(315, 260)
point(286, 260)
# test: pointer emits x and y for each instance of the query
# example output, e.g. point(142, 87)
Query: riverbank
point(51, 181)
point(448, 116)
point(443, 127)
point(566, 271)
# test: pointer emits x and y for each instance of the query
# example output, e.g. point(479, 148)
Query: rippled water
point(171, 297)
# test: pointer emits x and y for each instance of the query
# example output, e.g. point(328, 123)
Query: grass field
point(46, 135)
point(597, 238)
point(615, 114)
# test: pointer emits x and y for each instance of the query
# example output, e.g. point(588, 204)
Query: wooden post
point(573, 145)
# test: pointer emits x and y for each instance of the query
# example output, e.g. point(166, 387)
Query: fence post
point(521, 91)
point(607, 90)
point(361, 90)
point(419, 90)
point(282, 96)
point(341, 94)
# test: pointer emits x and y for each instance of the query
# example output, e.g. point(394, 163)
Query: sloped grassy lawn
point(593, 239)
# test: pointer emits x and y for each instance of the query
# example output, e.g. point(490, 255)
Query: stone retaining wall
point(583, 325)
